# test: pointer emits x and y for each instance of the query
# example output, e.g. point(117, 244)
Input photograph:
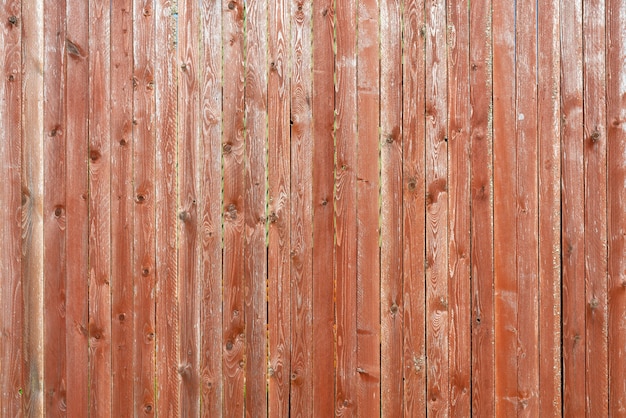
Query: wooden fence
point(313, 208)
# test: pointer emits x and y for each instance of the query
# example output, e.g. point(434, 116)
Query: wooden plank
point(15, 375)
point(481, 166)
point(233, 206)
point(121, 118)
point(211, 226)
point(572, 194)
point(459, 208)
point(301, 211)
point(549, 165)
point(191, 205)
point(413, 204)
point(55, 209)
point(99, 211)
point(526, 210)
point(437, 302)
point(279, 207)
point(144, 205)
point(505, 227)
point(391, 207)
point(616, 201)
point(32, 205)
point(168, 379)
point(368, 210)
point(595, 221)
point(76, 86)
point(345, 209)
point(323, 232)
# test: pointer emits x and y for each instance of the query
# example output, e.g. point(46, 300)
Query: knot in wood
point(13, 20)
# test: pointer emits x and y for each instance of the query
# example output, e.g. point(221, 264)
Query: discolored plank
point(413, 206)
point(481, 189)
point(323, 232)
point(368, 189)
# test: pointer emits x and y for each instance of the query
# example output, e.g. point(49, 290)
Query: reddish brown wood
point(323, 233)
point(572, 207)
point(233, 206)
point(413, 206)
point(144, 206)
point(481, 166)
point(505, 208)
point(368, 210)
point(549, 165)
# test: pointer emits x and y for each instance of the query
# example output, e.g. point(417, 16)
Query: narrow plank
point(616, 201)
point(191, 205)
point(437, 301)
point(55, 210)
point(78, 337)
point(345, 209)
point(99, 211)
point(458, 15)
point(549, 165)
point(572, 218)
point(233, 206)
point(279, 207)
point(144, 206)
point(595, 221)
point(323, 232)
point(413, 204)
point(168, 380)
point(391, 207)
point(505, 227)
point(12, 358)
point(481, 167)
point(368, 210)
point(211, 226)
point(301, 211)
point(526, 201)
point(255, 256)
point(121, 200)
point(32, 205)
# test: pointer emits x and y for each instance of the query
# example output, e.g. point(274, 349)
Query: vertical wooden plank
point(32, 204)
point(572, 218)
point(345, 209)
point(211, 226)
point(144, 208)
point(99, 211)
point(459, 208)
point(391, 207)
point(595, 186)
point(76, 86)
point(616, 170)
point(55, 209)
point(413, 201)
point(505, 228)
point(437, 302)
point(191, 205)
point(301, 211)
point(168, 377)
point(12, 293)
point(233, 205)
point(526, 210)
point(323, 182)
point(279, 207)
point(481, 166)
point(549, 165)
point(368, 210)
point(121, 119)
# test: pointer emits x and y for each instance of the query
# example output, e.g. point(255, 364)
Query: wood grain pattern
point(413, 204)
point(481, 186)
point(323, 232)
point(368, 225)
